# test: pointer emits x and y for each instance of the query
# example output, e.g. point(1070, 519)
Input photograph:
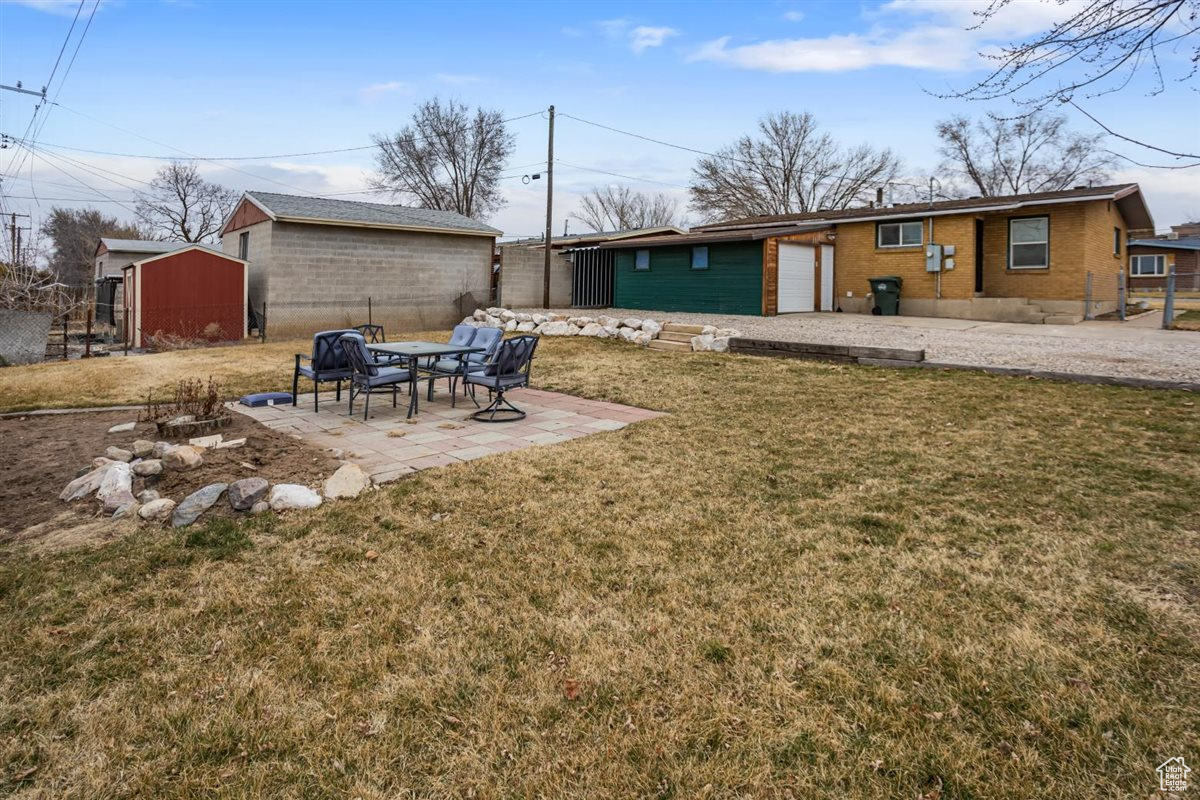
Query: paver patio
point(388, 446)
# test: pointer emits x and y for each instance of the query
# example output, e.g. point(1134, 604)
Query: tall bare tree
point(1097, 48)
point(607, 208)
point(447, 158)
point(181, 206)
point(789, 167)
point(1034, 153)
point(74, 234)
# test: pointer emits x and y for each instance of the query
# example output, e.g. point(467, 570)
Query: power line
point(618, 174)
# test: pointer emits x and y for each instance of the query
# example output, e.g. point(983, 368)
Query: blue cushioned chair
point(458, 366)
point(327, 363)
point(367, 374)
point(508, 370)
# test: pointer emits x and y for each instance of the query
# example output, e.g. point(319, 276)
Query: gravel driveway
point(1133, 349)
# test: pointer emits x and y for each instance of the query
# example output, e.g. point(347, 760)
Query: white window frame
point(1045, 242)
point(1159, 258)
point(901, 225)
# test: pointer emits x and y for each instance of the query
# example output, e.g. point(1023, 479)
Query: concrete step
point(1063, 319)
point(674, 347)
point(675, 336)
point(679, 327)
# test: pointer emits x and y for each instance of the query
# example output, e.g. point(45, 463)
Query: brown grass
point(807, 580)
point(1187, 321)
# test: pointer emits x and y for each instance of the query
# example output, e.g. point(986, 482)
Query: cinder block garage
point(193, 294)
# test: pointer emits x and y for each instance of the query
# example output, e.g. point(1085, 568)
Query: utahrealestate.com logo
point(1173, 775)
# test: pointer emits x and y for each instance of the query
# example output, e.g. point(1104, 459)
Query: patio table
point(412, 352)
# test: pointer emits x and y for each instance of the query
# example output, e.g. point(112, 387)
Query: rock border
point(628, 329)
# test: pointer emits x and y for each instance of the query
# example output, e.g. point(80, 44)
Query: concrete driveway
point(1138, 348)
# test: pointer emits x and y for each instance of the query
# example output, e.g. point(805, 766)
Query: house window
point(1142, 266)
point(699, 258)
point(899, 234)
point(244, 246)
point(641, 259)
point(1029, 243)
point(1116, 241)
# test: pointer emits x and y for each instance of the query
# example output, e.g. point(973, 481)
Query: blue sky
point(246, 79)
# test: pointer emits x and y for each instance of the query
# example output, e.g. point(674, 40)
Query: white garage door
point(797, 277)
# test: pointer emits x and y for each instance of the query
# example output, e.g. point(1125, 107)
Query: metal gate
point(592, 277)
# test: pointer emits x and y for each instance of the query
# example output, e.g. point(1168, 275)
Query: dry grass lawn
point(1187, 321)
point(808, 580)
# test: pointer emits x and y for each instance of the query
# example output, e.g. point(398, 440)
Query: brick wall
point(1081, 240)
point(522, 273)
point(1186, 263)
point(320, 276)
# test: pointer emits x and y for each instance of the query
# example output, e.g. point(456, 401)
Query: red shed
point(192, 293)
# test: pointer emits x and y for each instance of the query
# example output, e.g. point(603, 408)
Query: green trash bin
point(886, 289)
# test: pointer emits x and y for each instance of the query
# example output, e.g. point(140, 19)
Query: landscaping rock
point(539, 319)
point(632, 322)
point(702, 343)
point(244, 493)
point(127, 510)
point(116, 489)
point(181, 419)
point(579, 322)
point(591, 329)
point(147, 496)
point(350, 480)
point(182, 457)
point(628, 334)
point(479, 315)
point(99, 461)
point(651, 327)
point(609, 322)
point(87, 484)
point(559, 329)
point(123, 427)
point(493, 322)
point(641, 338)
point(160, 449)
point(510, 325)
point(494, 311)
point(157, 510)
point(118, 454)
point(506, 316)
point(720, 344)
point(292, 496)
point(142, 448)
point(523, 317)
point(148, 467)
point(196, 504)
point(525, 327)
point(261, 507)
point(611, 331)
point(231, 443)
point(708, 330)
point(206, 442)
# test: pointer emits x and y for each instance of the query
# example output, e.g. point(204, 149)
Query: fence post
point(370, 315)
point(1169, 302)
point(262, 324)
point(66, 322)
point(1087, 297)
point(1121, 294)
point(87, 342)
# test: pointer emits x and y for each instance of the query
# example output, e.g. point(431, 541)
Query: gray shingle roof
point(1182, 243)
point(140, 245)
point(295, 208)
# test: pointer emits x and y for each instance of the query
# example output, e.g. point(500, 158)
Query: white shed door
point(826, 277)
point(797, 277)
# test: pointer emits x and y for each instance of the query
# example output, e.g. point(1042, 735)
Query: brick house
point(1152, 257)
point(315, 262)
point(1021, 258)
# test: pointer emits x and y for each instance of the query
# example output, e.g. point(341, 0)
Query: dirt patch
point(39, 455)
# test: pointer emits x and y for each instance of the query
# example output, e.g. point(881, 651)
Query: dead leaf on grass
point(396, 434)
point(372, 555)
point(571, 689)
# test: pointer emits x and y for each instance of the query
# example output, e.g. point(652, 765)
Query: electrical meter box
point(933, 258)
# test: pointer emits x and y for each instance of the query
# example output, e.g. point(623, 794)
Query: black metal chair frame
point(362, 364)
point(514, 362)
point(372, 334)
point(325, 345)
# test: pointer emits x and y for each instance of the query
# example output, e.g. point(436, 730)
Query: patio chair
point(367, 374)
point(373, 334)
point(454, 367)
point(508, 370)
point(326, 363)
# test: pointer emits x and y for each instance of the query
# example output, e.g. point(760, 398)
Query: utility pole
point(549, 211)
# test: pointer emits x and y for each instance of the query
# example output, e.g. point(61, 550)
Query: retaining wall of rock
point(629, 329)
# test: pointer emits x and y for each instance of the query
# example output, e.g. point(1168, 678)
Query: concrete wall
point(23, 336)
point(522, 273)
point(316, 277)
point(258, 256)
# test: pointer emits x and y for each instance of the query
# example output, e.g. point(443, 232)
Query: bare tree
point(182, 206)
point(74, 234)
point(1035, 153)
point(788, 168)
point(1096, 50)
point(607, 208)
point(447, 158)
